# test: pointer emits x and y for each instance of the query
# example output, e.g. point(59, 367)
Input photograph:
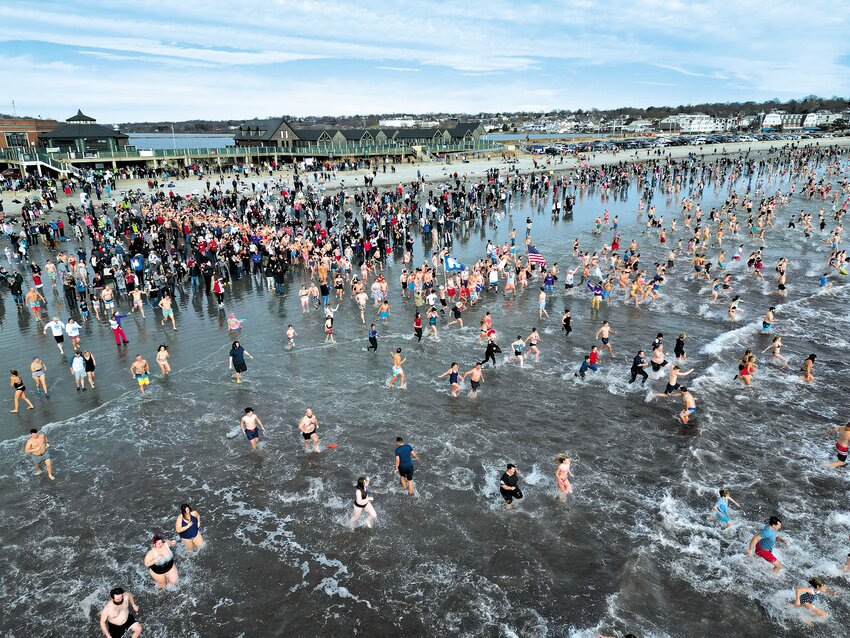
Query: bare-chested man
point(672, 382)
point(37, 446)
point(108, 300)
point(309, 426)
point(140, 370)
point(249, 424)
point(137, 302)
point(35, 301)
point(116, 619)
point(604, 333)
point(842, 445)
point(476, 376)
point(398, 372)
point(689, 407)
point(167, 311)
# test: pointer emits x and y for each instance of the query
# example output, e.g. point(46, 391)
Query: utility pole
point(14, 110)
point(173, 139)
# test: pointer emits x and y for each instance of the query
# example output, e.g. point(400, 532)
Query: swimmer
point(188, 526)
point(733, 307)
point(249, 425)
point(236, 360)
point(776, 346)
point(764, 542)
point(672, 382)
point(509, 486)
point(563, 474)
point(398, 371)
point(308, 427)
point(604, 334)
point(167, 311)
point(767, 322)
point(689, 405)
point(842, 445)
point(160, 562)
point(233, 323)
point(720, 511)
point(637, 369)
point(162, 359)
point(806, 596)
point(37, 445)
point(373, 339)
point(363, 503)
point(533, 339)
point(808, 368)
point(140, 370)
point(476, 376)
point(290, 336)
point(519, 346)
point(38, 370)
point(116, 619)
point(454, 376)
point(17, 384)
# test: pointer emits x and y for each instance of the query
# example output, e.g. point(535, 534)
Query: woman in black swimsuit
point(17, 383)
point(160, 561)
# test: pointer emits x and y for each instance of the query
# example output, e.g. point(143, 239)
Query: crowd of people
point(143, 252)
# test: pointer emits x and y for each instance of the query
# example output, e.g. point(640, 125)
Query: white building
point(689, 123)
point(407, 122)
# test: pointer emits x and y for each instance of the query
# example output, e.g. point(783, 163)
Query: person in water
point(509, 486)
point(363, 503)
point(720, 511)
point(764, 542)
point(116, 619)
point(454, 378)
point(563, 474)
point(160, 562)
point(806, 596)
point(188, 527)
point(250, 424)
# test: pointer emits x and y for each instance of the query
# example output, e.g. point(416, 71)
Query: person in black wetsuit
point(490, 352)
point(638, 365)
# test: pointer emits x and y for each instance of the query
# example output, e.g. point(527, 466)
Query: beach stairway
point(40, 161)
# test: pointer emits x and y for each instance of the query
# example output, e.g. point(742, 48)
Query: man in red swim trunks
point(764, 542)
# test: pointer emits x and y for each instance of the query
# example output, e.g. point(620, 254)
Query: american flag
point(535, 257)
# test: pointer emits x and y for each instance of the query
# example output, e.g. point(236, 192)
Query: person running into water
point(160, 563)
point(776, 347)
point(673, 381)
point(78, 371)
point(363, 503)
point(476, 376)
point(250, 425)
point(188, 526)
point(509, 486)
point(162, 359)
point(689, 405)
point(404, 457)
point(519, 346)
point(808, 367)
point(116, 619)
point(720, 511)
point(806, 596)
point(17, 384)
point(236, 360)
point(167, 311)
point(398, 371)
point(233, 323)
point(604, 333)
point(454, 378)
point(373, 339)
point(637, 369)
point(37, 445)
point(290, 336)
point(842, 445)
point(764, 542)
point(38, 370)
point(57, 328)
point(533, 339)
point(563, 474)
point(490, 352)
point(308, 426)
point(140, 370)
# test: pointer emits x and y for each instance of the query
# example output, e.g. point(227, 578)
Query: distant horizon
point(209, 60)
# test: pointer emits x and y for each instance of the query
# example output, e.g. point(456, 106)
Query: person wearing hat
point(509, 486)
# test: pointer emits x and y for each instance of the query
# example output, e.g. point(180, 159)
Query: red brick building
point(23, 132)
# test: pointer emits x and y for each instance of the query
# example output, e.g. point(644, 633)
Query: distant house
point(638, 126)
point(689, 123)
point(82, 134)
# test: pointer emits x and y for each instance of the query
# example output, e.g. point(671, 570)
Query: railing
point(60, 161)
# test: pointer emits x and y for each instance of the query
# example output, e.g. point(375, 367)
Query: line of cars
point(639, 143)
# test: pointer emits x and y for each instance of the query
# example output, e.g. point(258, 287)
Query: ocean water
point(632, 550)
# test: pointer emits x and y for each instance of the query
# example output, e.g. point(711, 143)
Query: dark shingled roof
point(461, 130)
point(265, 129)
point(79, 117)
point(415, 133)
point(357, 134)
point(312, 134)
point(73, 131)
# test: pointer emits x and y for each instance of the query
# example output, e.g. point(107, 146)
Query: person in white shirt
point(56, 327)
point(72, 329)
point(78, 369)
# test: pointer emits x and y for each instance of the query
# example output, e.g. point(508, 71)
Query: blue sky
point(134, 61)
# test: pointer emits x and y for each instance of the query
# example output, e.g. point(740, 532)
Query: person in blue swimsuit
point(806, 596)
point(188, 528)
point(454, 378)
point(720, 511)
